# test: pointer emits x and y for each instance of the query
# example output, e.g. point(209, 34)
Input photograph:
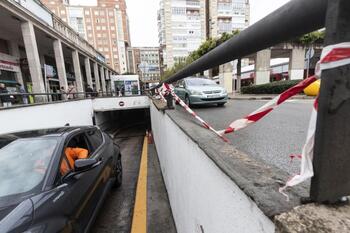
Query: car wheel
point(187, 100)
point(221, 104)
point(118, 173)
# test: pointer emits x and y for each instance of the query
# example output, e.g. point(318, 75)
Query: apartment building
point(182, 28)
point(184, 24)
point(104, 23)
point(227, 16)
point(145, 61)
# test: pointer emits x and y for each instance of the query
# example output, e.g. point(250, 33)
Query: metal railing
point(22, 99)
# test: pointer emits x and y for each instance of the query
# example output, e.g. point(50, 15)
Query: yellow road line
point(139, 221)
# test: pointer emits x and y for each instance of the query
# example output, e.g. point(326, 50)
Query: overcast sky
point(143, 18)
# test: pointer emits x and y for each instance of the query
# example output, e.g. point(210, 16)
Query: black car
point(40, 193)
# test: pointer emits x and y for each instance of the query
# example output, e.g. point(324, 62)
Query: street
point(116, 213)
point(272, 139)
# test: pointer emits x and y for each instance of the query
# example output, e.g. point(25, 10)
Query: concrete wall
point(202, 197)
point(75, 113)
point(46, 116)
point(123, 103)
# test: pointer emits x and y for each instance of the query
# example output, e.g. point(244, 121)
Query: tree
point(204, 48)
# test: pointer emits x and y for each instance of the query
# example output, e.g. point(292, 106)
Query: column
point(97, 77)
point(32, 53)
point(262, 66)
point(88, 71)
point(103, 80)
point(77, 71)
point(208, 73)
point(239, 74)
point(297, 63)
point(14, 51)
point(106, 78)
point(225, 77)
point(61, 67)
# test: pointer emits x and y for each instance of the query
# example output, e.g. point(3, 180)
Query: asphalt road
point(117, 211)
point(271, 140)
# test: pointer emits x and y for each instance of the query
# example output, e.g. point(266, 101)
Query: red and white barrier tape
point(332, 57)
point(170, 90)
point(161, 95)
point(268, 107)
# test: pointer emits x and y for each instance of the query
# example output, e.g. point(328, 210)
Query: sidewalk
point(238, 96)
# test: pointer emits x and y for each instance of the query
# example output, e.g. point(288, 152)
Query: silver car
point(199, 91)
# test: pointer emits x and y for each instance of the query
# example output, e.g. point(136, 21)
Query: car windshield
point(23, 164)
point(199, 82)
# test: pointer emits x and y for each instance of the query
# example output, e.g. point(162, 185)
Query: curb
point(269, 98)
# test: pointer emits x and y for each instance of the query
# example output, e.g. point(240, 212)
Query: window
point(76, 148)
point(23, 165)
point(178, 10)
point(95, 139)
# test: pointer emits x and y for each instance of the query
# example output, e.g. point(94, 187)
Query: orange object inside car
point(72, 154)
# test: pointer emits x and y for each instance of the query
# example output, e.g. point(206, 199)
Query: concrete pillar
point(106, 78)
point(208, 73)
point(77, 71)
point(262, 66)
point(239, 74)
point(42, 61)
point(31, 48)
point(61, 67)
point(103, 79)
point(225, 76)
point(297, 63)
point(88, 71)
point(14, 51)
point(97, 77)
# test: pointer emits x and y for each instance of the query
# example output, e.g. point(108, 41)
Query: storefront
point(9, 66)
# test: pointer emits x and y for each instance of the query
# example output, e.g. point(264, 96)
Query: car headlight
point(194, 92)
point(224, 92)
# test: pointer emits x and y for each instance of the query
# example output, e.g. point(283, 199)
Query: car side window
point(95, 138)
point(75, 148)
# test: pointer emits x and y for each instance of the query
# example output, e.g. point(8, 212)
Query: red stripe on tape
point(259, 115)
point(336, 54)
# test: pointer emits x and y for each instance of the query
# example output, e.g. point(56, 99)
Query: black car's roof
point(59, 132)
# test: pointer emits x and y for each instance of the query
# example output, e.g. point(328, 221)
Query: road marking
point(139, 220)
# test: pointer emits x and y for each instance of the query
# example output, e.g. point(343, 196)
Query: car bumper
point(197, 100)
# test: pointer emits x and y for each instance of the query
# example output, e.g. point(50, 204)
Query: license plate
point(213, 96)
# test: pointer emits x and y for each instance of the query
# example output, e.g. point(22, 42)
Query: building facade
point(182, 28)
point(184, 24)
point(42, 53)
point(145, 61)
point(104, 23)
point(227, 16)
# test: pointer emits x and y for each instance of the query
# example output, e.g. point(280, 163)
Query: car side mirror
point(82, 165)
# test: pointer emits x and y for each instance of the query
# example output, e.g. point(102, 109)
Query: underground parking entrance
point(128, 129)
